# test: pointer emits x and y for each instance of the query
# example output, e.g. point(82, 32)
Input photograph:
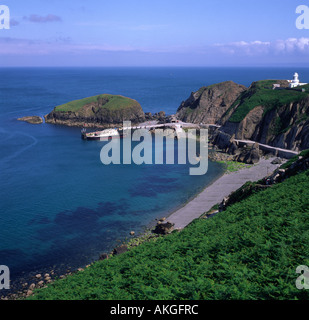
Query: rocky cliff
point(100, 111)
point(273, 115)
point(209, 104)
point(278, 118)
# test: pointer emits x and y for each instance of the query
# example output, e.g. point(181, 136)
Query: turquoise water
point(60, 206)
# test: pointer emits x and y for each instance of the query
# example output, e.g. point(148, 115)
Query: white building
point(295, 82)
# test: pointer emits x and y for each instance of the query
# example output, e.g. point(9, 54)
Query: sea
point(60, 207)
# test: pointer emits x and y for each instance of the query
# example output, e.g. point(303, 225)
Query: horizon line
point(163, 66)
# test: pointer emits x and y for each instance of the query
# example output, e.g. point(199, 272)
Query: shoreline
point(182, 216)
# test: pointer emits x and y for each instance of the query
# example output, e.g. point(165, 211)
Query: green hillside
point(261, 94)
point(108, 101)
point(249, 251)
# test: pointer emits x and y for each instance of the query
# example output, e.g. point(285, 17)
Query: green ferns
point(249, 251)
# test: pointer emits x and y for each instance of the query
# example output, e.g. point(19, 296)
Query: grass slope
point(111, 102)
point(262, 94)
point(249, 251)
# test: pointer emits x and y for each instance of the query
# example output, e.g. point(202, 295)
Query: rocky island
point(269, 112)
point(101, 111)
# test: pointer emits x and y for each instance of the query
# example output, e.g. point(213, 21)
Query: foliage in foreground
point(249, 251)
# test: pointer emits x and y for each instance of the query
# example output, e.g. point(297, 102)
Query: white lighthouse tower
point(295, 82)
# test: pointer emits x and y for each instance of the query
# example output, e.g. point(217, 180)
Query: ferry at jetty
point(101, 135)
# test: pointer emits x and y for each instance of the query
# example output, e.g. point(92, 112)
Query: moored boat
point(101, 135)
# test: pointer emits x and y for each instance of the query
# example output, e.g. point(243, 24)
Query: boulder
point(32, 286)
point(250, 156)
point(120, 249)
point(103, 256)
point(29, 293)
point(164, 228)
point(276, 161)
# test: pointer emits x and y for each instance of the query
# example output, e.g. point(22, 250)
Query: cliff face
point(278, 118)
point(285, 127)
point(209, 104)
point(101, 111)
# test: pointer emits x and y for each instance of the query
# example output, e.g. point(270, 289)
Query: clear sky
point(153, 33)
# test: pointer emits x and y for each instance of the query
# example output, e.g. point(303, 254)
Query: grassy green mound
point(249, 251)
point(108, 101)
point(261, 94)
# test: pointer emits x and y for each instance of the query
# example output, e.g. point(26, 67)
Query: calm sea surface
point(60, 206)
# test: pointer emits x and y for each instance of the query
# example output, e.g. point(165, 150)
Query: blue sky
point(153, 33)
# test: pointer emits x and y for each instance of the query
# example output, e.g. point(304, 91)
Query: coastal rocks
point(31, 119)
point(209, 104)
point(232, 152)
point(275, 121)
point(276, 161)
point(222, 140)
point(103, 256)
point(250, 156)
point(220, 156)
point(121, 249)
point(282, 173)
point(164, 228)
point(160, 117)
point(29, 293)
point(32, 286)
point(278, 118)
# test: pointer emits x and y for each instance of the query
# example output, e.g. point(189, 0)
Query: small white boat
point(101, 135)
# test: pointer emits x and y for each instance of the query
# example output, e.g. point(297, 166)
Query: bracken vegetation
point(249, 251)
